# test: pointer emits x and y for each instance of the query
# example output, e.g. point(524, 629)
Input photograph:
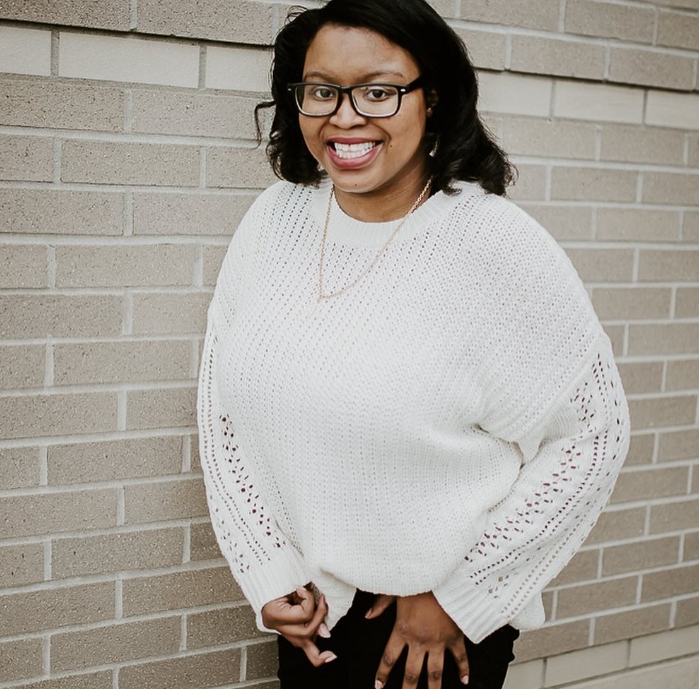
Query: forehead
point(345, 53)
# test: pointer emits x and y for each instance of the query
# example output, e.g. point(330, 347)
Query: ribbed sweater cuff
point(469, 606)
point(274, 579)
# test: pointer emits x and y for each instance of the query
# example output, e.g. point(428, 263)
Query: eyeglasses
point(315, 99)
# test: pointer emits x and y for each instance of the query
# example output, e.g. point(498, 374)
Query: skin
point(382, 188)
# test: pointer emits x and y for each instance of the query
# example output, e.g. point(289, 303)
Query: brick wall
point(126, 160)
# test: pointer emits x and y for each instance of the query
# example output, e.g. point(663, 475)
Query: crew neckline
point(344, 229)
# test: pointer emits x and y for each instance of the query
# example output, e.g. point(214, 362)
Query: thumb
point(381, 602)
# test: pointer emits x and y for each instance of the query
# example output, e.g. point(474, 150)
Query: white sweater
point(454, 422)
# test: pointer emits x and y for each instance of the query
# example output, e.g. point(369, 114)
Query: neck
point(384, 204)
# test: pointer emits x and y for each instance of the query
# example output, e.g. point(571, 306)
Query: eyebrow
point(366, 77)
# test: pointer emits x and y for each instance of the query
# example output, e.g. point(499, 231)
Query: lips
point(352, 153)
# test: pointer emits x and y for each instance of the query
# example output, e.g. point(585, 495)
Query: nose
point(346, 115)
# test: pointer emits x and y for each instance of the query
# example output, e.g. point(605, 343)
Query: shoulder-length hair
point(462, 147)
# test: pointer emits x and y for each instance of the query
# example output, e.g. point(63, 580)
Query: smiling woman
point(410, 416)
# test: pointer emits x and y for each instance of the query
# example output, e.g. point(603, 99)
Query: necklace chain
point(321, 294)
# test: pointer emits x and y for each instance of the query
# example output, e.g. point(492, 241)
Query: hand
point(426, 629)
point(296, 617)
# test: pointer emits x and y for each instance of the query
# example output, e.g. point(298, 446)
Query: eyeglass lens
point(372, 99)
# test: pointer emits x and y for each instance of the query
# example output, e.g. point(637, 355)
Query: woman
point(410, 416)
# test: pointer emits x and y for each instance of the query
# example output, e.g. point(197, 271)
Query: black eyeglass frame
point(402, 89)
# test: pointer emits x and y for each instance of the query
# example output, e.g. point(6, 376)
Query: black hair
point(462, 147)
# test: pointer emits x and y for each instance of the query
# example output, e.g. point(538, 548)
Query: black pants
point(359, 644)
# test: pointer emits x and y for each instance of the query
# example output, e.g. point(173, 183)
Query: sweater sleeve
point(263, 562)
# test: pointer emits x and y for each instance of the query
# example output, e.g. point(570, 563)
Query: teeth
point(349, 151)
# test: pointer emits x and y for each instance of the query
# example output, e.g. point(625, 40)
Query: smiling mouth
point(352, 151)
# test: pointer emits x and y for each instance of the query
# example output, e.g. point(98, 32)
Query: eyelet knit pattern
point(454, 422)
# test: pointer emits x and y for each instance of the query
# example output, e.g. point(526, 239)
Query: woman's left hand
point(427, 630)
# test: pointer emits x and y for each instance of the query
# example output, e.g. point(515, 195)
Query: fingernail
point(464, 679)
point(324, 631)
point(378, 684)
point(368, 613)
point(329, 659)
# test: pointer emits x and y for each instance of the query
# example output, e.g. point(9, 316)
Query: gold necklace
point(321, 295)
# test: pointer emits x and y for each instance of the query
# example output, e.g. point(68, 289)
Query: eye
point(322, 92)
point(378, 93)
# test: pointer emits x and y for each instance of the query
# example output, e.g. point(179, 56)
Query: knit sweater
point(453, 423)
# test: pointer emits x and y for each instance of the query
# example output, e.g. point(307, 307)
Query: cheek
point(311, 135)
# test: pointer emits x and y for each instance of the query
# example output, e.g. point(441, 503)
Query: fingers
point(381, 602)
point(435, 669)
point(458, 650)
point(391, 653)
point(413, 667)
point(315, 656)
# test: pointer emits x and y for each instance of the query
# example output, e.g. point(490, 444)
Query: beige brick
point(130, 59)
point(195, 459)
point(625, 625)
point(686, 4)
point(651, 69)
point(487, 49)
point(77, 557)
point(213, 258)
point(161, 408)
point(640, 555)
point(262, 660)
point(631, 303)
point(114, 460)
point(674, 516)
point(32, 515)
point(19, 467)
point(22, 366)
point(23, 266)
point(690, 226)
point(548, 138)
point(239, 22)
point(25, 51)
point(166, 500)
point(563, 222)
point(657, 647)
point(677, 338)
point(647, 484)
point(57, 607)
point(639, 377)
point(21, 565)
point(678, 30)
point(582, 567)
point(602, 265)
point(631, 224)
point(678, 445)
point(106, 14)
point(238, 167)
point(218, 627)
point(125, 266)
point(589, 662)
point(668, 266)
point(525, 675)
point(669, 583)
point(21, 659)
point(33, 211)
point(526, 13)
point(557, 57)
point(166, 112)
point(552, 640)
point(43, 415)
point(180, 590)
point(188, 214)
point(106, 162)
point(114, 644)
point(589, 183)
point(189, 672)
point(513, 94)
point(687, 302)
point(50, 315)
point(599, 102)
point(26, 158)
point(61, 105)
point(203, 545)
point(170, 313)
point(608, 20)
point(687, 612)
point(118, 362)
point(531, 183)
point(662, 411)
point(618, 525)
point(581, 600)
point(642, 144)
point(97, 680)
point(691, 547)
point(640, 449)
point(683, 375)
point(238, 68)
point(616, 336)
point(693, 152)
point(668, 109)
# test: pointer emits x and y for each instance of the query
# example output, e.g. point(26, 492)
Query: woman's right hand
point(298, 620)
